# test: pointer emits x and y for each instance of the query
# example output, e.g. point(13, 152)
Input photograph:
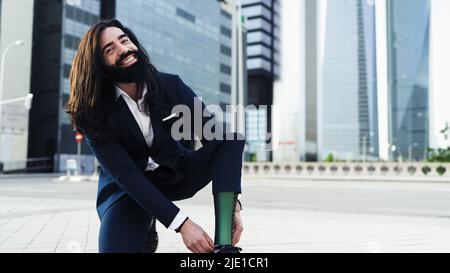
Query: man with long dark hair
point(123, 106)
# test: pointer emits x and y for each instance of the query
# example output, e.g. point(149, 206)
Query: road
point(280, 216)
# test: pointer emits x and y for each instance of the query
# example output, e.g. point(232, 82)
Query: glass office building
point(182, 37)
point(58, 27)
point(408, 40)
point(311, 86)
point(349, 125)
point(262, 25)
point(189, 38)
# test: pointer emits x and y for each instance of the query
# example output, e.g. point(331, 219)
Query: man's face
point(122, 60)
point(115, 48)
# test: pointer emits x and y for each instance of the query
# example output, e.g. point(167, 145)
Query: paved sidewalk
point(60, 225)
point(38, 214)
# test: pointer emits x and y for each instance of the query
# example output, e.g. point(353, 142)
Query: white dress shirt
point(144, 122)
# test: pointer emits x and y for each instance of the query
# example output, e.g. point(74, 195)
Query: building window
point(225, 31)
point(81, 16)
point(225, 88)
point(67, 68)
point(186, 15)
point(225, 69)
point(225, 14)
point(225, 50)
point(71, 42)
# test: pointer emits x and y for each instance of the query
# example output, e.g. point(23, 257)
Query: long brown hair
point(91, 92)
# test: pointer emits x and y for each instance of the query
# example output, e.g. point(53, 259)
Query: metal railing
point(367, 170)
point(43, 164)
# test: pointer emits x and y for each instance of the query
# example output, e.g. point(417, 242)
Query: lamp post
point(2, 74)
point(410, 150)
point(237, 65)
point(364, 145)
point(392, 149)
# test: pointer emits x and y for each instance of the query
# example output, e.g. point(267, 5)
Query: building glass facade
point(185, 38)
point(349, 101)
point(58, 28)
point(408, 40)
point(311, 58)
point(262, 26)
point(182, 37)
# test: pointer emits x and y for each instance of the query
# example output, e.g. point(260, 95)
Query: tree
point(329, 158)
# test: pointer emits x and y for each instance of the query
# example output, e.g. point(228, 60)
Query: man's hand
point(195, 238)
point(238, 228)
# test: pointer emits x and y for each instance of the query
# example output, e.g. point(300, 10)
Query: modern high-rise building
point(348, 123)
point(262, 24)
point(408, 77)
point(309, 150)
point(189, 38)
point(16, 29)
point(58, 28)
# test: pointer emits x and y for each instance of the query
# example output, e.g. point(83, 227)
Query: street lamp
point(2, 69)
point(445, 131)
point(237, 69)
point(392, 148)
point(410, 150)
point(26, 101)
point(2, 73)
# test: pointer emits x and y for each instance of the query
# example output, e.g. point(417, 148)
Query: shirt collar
point(120, 92)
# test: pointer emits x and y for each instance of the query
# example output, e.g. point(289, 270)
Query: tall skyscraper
point(262, 23)
point(182, 37)
point(348, 96)
point(309, 152)
point(16, 24)
point(190, 38)
point(408, 77)
point(58, 28)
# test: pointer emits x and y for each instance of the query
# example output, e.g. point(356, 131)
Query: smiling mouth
point(130, 59)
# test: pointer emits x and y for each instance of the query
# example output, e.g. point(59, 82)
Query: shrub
point(426, 170)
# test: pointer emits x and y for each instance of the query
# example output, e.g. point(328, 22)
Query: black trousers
point(125, 224)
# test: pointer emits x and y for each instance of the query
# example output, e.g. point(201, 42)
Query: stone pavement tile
point(43, 245)
point(14, 245)
point(166, 250)
point(39, 250)
point(14, 224)
point(92, 249)
point(265, 230)
point(11, 250)
point(71, 247)
point(336, 234)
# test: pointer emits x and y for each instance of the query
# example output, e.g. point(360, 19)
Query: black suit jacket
point(123, 159)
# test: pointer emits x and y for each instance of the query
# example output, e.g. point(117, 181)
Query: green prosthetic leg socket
point(224, 206)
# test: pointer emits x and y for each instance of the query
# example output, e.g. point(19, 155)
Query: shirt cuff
point(177, 221)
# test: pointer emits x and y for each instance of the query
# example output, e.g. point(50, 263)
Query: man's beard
point(133, 73)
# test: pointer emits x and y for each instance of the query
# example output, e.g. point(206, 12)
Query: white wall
point(439, 72)
point(16, 24)
point(382, 78)
point(288, 120)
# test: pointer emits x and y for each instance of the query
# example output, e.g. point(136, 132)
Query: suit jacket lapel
point(124, 114)
point(155, 118)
